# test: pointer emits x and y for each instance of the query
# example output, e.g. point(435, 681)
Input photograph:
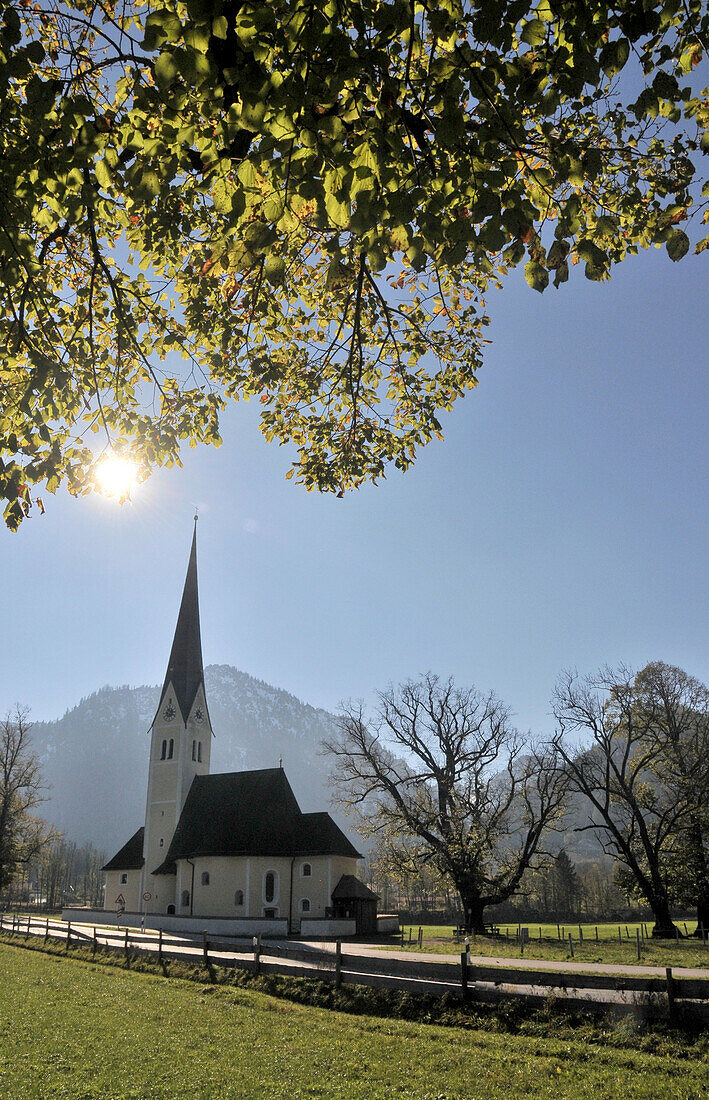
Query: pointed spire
point(184, 669)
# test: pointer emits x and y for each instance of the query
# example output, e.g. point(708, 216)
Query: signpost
point(120, 909)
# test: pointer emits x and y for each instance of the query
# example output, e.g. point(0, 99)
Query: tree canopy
point(305, 203)
point(22, 835)
point(443, 776)
point(644, 772)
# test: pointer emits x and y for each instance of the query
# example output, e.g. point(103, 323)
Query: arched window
point(205, 878)
point(170, 748)
point(163, 751)
point(305, 905)
point(194, 750)
point(185, 897)
point(199, 752)
point(306, 870)
point(269, 887)
point(170, 910)
point(162, 841)
point(239, 897)
point(124, 880)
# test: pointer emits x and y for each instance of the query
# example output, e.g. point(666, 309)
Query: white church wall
point(214, 926)
point(232, 875)
point(129, 890)
point(326, 929)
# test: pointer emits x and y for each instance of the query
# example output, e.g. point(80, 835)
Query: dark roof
point(184, 669)
point(321, 836)
point(251, 813)
point(130, 857)
point(350, 887)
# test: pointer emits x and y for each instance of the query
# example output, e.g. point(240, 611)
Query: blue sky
point(563, 522)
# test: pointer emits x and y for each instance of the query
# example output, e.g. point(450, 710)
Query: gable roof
point(350, 887)
point(184, 669)
point(130, 856)
point(252, 813)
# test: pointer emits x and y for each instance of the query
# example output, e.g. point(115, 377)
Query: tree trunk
point(703, 913)
point(473, 911)
point(663, 927)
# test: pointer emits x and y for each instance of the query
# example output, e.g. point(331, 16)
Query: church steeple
point(184, 669)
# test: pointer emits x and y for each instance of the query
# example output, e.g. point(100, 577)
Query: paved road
point(526, 963)
point(316, 957)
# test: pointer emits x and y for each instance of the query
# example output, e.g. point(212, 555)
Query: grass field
point(73, 1029)
point(687, 952)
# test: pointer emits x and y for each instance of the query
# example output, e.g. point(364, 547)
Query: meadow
point(82, 1031)
point(545, 942)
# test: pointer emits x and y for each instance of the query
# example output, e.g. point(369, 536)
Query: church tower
point(180, 744)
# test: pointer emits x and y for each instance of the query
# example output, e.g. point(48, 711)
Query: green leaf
point(677, 245)
point(165, 70)
point(536, 275)
point(103, 174)
point(534, 32)
point(275, 270)
point(614, 56)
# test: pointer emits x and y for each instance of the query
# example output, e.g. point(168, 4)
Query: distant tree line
point(449, 788)
point(37, 865)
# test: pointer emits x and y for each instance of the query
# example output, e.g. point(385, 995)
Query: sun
point(116, 476)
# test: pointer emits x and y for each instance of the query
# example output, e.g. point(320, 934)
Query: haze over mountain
point(95, 758)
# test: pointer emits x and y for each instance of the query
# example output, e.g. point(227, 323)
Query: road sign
point(147, 895)
point(120, 900)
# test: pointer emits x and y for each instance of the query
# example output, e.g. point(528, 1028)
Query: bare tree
point(679, 705)
point(644, 771)
point(22, 835)
point(444, 764)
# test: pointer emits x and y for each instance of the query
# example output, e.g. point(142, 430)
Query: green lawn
point(76, 1030)
point(687, 952)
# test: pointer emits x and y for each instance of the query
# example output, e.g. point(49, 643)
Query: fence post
point(402, 935)
point(620, 938)
point(676, 934)
point(558, 931)
point(637, 940)
point(160, 946)
point(125, 947)
point(596, 933)
point(671, 1003)
point(46, 929)
point(571, 945)
point(580, 934)
point(27, 933)
point(338, 964)
point(420, 938)
point(257, 954)
point(93, 943)
point(68, 936)
point(205, 948)
point(464, 974)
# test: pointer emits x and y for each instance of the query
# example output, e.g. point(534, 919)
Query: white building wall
point(229, 874)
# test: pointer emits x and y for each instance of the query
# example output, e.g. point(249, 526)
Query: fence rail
point(651, 995)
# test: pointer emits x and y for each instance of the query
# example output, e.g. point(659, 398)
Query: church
point(234, 849)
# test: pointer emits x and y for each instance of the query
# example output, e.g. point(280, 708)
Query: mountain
point(95, 758)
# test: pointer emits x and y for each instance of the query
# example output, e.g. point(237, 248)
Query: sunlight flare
point(116, 476)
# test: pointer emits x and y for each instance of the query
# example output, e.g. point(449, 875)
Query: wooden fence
point(650, 995)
